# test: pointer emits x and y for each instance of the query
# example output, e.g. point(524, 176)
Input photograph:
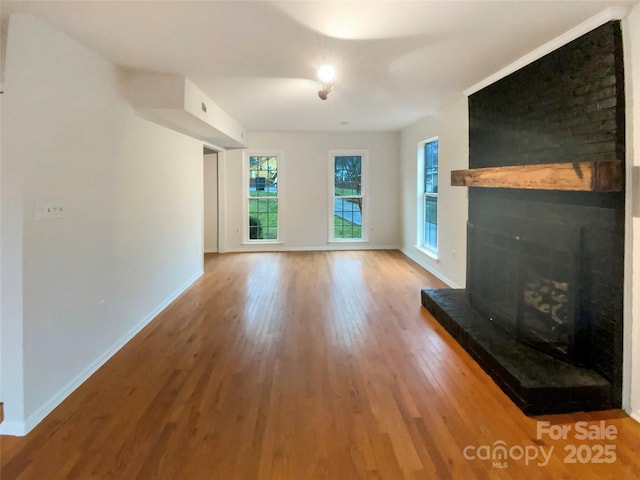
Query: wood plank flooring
point(314, 365)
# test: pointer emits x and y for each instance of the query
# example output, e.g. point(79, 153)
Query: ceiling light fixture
point(326, 74)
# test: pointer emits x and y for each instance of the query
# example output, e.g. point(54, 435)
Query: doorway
point(210, 201)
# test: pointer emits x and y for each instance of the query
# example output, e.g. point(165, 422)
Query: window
point(430, 195)
point(347, 220)
point(261, 214)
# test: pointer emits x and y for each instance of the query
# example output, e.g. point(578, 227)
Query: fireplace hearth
point(536, 382)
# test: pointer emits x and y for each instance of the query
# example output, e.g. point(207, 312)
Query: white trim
point(340, 246)
point(347, 240)
point(429, 253)
point(628, 301)
point(245, 197)
point(213, 146)
point(222, 203)
point(430, 269)
point(635, 415)
point(421, 200)
point(363, 153)
point(12, 427)
point(420, 192)
point(209, 250)
point(262, 242)
point(19, 428)
point(612, 13)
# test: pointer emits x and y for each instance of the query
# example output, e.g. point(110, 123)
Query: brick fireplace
point(542, 311)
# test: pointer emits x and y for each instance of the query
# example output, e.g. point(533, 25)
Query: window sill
point(429, 253)
point(349, 240)
point(262, 242)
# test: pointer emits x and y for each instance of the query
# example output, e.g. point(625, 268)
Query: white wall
point(131, 238)
point(1, 87)
point(303, 181)
point(211, 202)
point(631, 40)
point(451, 125)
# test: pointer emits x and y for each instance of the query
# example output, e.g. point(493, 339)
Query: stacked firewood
point(549, 297)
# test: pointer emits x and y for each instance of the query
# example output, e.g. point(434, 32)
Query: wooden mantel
point(605, 176)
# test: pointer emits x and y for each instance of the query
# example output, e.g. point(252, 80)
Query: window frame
point(364, 195)
point(422, 198)
point(246, 196)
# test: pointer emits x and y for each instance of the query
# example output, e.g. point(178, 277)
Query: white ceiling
point(396, 61)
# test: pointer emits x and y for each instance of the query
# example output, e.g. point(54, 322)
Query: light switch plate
point(50, 212)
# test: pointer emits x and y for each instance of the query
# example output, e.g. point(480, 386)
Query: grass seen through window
point(264, 211)
point(343, 228)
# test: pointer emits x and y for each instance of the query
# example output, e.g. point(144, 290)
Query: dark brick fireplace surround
point(528, 246)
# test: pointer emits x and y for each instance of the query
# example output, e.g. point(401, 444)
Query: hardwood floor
point(302, 366)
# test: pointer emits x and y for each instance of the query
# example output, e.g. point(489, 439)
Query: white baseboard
point(635, 415)
point(345, 246)
point(9, 427)
point(430, 269)
point(324, 248)
point(21, 428)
